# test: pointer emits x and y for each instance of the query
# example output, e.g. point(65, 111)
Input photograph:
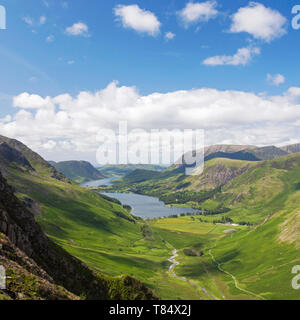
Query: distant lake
point(101, 182)
point(148, 207)
point(142, 206)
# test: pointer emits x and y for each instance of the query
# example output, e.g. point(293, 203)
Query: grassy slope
point(261, 257)
point(85, 224)
point(122, 170)
point(257, 258)
point(79, 171)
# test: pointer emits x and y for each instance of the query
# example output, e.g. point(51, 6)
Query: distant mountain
point(79, 171)
point(53, 163)
point(241, 152)
point(226, 148)
point(122, 169)
point(293, 148)
point(267, 153)
point(140, 175)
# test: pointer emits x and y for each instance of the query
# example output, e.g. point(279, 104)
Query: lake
point(101, 182)
point(142, 206)
point(148, 207)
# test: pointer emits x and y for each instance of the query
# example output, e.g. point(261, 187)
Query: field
point(252, 256)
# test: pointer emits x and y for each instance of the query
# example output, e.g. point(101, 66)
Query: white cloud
point(227, 116)
point(49, 145)
point(259, 21)
point(71, 62)
point(78, 29)
point(276, 79)
point(198, 12)
point(43, 20)
point(32, 101)
point(294, 92)
point(135, 18)
point(28, 21)
point(242, 57)
point(170, 35)
point(6, 119)
point(50, 38)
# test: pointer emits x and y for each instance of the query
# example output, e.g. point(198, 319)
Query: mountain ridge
point(79, 171)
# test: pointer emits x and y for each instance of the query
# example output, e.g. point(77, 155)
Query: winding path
point(236, 283)
point(175, 263)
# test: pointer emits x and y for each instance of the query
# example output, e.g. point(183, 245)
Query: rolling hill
point(122, 170)
point(79, 171)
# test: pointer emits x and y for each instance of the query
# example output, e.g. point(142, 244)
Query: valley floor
point(208, 261)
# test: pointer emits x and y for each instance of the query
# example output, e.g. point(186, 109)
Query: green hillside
point(242, 246)
point(79, 171)
point(75, 217)
point(241, 152)
point(122, 169)
point(38, 269)
point(97, 230)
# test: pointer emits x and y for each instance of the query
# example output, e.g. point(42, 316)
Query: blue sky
point(38, 55)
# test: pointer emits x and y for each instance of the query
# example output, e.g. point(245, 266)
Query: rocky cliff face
point(30, 258)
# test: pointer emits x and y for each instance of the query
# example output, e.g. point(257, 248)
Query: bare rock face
point(219, 174)
point(18, 223)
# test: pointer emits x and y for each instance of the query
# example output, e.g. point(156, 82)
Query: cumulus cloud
point(294, 92)
point(32, 101)
point(198, 12)
point(78, 29)
point(133, 17)
point(170, 35)
point(276, 79)
point(242, 57)
point(259, 21)
point(52, 125)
